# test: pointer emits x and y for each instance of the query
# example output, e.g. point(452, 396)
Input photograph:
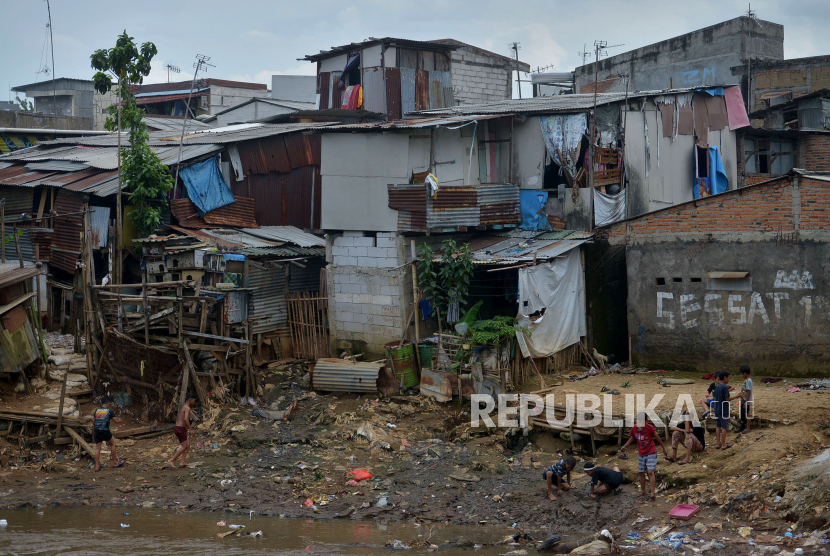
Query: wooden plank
point(155, 285)
point(17, 301)
point(60, 405)
point(154, 317)
point(191, 369)
point(81, 441)
point(214, 337)
point(203, 318)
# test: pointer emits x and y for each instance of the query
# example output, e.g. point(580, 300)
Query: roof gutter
point(40, 131)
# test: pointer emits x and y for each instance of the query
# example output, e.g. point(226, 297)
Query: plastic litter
point(124, 526)
point(399, 545)
point(744, 531)
point(359, 475)
point(220, 523)
point(308, 503)
point(3, 523)
point(234, 527)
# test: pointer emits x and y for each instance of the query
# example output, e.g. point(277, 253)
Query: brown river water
point(95, 530)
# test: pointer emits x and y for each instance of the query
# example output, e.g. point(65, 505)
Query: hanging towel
point(205, 185)
point(735, 109)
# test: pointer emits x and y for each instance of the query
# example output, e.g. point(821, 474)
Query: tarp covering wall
point(608, 208)
point(557, 288)
point(205, 185)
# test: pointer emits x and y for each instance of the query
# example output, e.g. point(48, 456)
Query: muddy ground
point(428, 465)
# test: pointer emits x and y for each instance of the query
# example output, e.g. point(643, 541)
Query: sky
point(250, 40)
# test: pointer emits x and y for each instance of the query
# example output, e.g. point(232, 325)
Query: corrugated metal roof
point(237, 237)
point(29, 179)
point(339, 375)
point(523, 246)
point(173, 124)
point(176, 92)
point(153, 98)
point(405, 43)
point(547, 105)
point(238, 213)
point(412, 123)
point(107, 158)
point(286, 234)
point(56, 166)
point(284, 251)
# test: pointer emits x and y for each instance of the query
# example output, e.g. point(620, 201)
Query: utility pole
point(54, 77)
point(515, 48)
point(201, 63)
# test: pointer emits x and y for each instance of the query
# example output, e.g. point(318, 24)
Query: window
point(661, 281)
point(677, 280)
point(695, 280)
point(768, 156)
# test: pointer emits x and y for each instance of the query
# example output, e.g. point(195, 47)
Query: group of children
point(101, 432)
point(605, 480)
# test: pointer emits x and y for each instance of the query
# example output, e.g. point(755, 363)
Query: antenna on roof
point(174, 69)
point(202, 64)
point(54, 77)
point(753, 16)
point(515, 47)
point(584, 53)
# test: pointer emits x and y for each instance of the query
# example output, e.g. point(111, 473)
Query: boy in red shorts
point(182, 430)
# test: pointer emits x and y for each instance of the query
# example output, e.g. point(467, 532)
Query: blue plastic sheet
point(717, 182)
point(714, 91)
point(205, 186)
point(532, 203)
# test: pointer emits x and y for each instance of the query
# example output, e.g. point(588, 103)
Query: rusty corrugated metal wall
point(282, 177)
point(66, 244)
point(407, 90)
point(393, 93)
point(324, 90)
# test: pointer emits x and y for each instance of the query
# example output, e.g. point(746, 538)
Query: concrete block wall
point(477, 79)
point(799, 76)
point(369, 296)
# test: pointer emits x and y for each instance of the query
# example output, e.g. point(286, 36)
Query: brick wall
point(367, 293)
point(801, 76)
point(814, 153)
point(477, 79)
point(764, 208)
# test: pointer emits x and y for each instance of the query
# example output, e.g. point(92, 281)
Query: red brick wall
point(765, 208)
point(814, 153)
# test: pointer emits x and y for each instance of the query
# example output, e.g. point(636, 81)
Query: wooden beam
point(152, 318)
point(79, 439)
point(60, 405)
point(197, 384)
point(213, 337)
point(185, 283)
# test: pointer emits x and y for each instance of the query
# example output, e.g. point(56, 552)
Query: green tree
point(147, 179)
point(26, 105)
point(448, 284)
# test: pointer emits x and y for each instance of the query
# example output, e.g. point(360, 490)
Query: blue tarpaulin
point(717, 182)
point(532, 204)
point(714, 91)
point(205, 186)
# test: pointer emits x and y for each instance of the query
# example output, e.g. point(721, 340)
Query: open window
point(728, 281)
point(768, 156)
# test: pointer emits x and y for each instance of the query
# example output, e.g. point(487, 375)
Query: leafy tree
point(26, 105)
point(448, 283)
point(147, 179)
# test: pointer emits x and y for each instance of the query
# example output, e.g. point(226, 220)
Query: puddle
point(93, 531)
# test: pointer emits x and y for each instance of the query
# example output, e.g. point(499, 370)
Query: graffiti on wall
point(719, 309)
point(699, 77)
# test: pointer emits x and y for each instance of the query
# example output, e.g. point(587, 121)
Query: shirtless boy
point(182, 430)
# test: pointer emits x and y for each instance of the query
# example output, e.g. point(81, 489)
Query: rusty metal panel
point(267, 301)
point(67, 236)
point(338, 375)
point(455, 196)
point(92, 181)
point(235, 309)
point(411, 221)
point(99, 223)
point(240, 213)
point(440, 89)
point(274, 154)
point(299, 150)
point(43, 239)
point(252, 158)
point(324, 90)
point(12, 171)
point(297, 197)
point(426, 60)
point(373, 90)
point(266, 191)
point(499, 203)
point(185, 212)
point(316, 142)
point(407, 90)
point(336, 92)
point(393, 93)
point(436, 384)
point(407, 197)
point(22, 179)
point(421, 90)
point(59, 180)
point(442, 61)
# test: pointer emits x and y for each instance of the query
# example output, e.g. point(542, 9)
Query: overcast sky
point(250, 40)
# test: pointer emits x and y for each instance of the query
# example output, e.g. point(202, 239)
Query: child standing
point(721, 410)
point(747, 399)
point(647, 461)
point(554, 474)
point(101, 432)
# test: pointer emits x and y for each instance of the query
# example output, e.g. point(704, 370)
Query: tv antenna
point(201, 64)
point(584, 53)
point(174, 69)
point(542, 68)
point(515, 47)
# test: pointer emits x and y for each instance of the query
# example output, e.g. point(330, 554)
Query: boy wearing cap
point(609, 480)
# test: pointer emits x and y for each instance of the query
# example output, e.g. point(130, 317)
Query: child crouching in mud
point(555, 474)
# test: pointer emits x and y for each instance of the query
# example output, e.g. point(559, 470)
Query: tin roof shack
point(258, 109)
point(652, 149)
point(64, 97)
point(208, 98)
point(786, 134)
point(19, 334)
point(727, 280)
